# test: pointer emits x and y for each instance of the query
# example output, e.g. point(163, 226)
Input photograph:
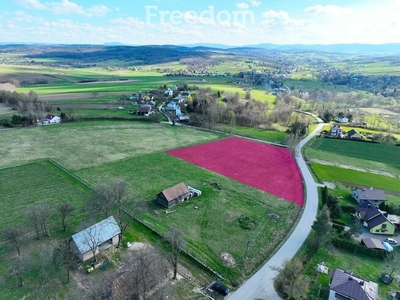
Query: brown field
point(74, 96)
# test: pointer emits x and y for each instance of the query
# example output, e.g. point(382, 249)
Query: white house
point(342, 119)
point(95, 238)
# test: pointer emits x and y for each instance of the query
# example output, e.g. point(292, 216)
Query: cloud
point(66, 7)
point(281, 19)
point(32, 4)
point(327, 9)
point(255, 3)
point(98, 10)
point(242, 5)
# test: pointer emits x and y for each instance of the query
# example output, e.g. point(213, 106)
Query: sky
point(229, 22)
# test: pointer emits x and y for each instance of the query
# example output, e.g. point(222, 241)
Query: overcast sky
point(230, 22)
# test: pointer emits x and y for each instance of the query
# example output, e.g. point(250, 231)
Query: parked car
point(391, 241)
point(220, 288)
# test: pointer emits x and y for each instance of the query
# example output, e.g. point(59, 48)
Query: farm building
point(174, 195)
point(144, 109)
point(376, 197)
point(348, 286)
point(100, 237)
point(354, 135)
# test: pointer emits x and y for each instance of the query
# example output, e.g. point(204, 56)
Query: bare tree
point(290, 280)
point(34, 218)
point(106, 195)
point(65, 209)
point(92, 240)
point(97, 202)
point(18, 269)
point(66, 258)
point(14, 237)
point(177, 242)
point(144, 279)
point(119, 192)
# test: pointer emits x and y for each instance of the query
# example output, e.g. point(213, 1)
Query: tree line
point(149, 268)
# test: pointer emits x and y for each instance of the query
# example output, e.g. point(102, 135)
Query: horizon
point(178, 22)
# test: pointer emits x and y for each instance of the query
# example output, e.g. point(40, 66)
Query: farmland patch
point(268, 168)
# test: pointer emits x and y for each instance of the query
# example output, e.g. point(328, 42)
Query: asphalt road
point(261, 284)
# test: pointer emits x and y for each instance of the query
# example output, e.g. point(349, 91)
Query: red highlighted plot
point(268, 168)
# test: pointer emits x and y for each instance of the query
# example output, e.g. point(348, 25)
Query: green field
point(276, 137)
point(97, 152)
point(39, 182)
point(216, 208)
point(381, 157)
point(80, 145)
point(332, 173)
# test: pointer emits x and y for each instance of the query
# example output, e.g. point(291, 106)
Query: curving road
point(261, 284)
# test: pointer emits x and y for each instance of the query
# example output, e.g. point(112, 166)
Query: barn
point(97, 237)
point(174, 195)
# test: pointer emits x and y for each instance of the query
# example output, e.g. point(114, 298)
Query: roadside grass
point(332, 173)
point(85, 144)
point(211, 226)
point(276, 137)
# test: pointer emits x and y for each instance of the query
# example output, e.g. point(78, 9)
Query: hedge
point(358, 248)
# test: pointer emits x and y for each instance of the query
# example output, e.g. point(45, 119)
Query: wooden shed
point(174, 195)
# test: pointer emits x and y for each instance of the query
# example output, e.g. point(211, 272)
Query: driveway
point(261, 284)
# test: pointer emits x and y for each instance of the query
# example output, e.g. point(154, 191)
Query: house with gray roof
point(95, 239)
point(374, 196)
point(343, 286)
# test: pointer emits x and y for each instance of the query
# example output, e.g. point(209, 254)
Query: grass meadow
point(97, 152)
point(357, 178)
point(80, 145)
point(213, 227)
point(380, 157)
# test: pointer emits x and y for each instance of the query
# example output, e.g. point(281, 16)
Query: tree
point(13, 236)
point(290, 280)
point(18, 269)
point(92, 240)
point(64, 257)
point(37, 215)
point(65, 209)
point(322, 228)
point(146, 276)
point(97, 202)
point(176, 241)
